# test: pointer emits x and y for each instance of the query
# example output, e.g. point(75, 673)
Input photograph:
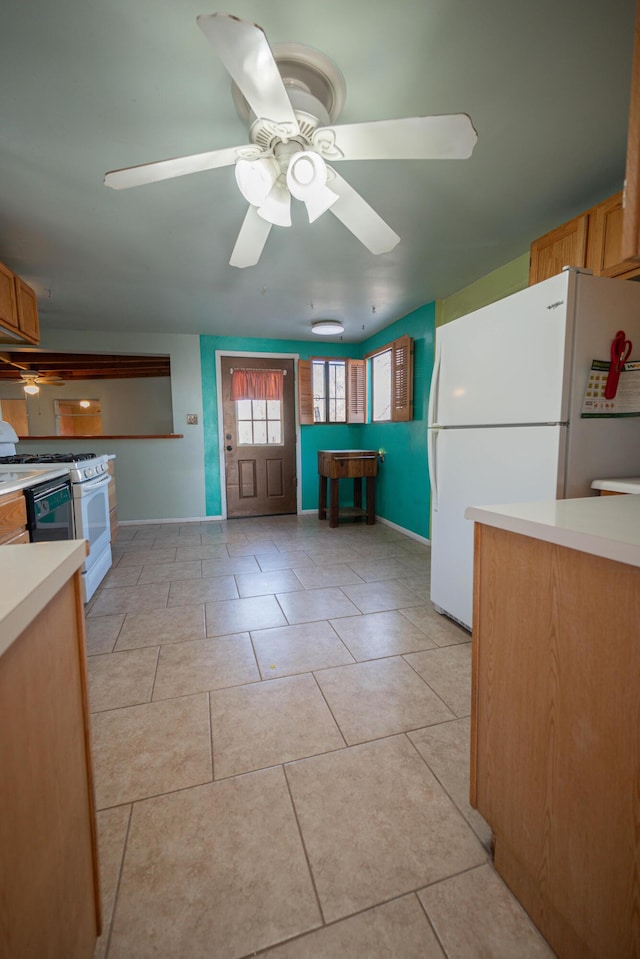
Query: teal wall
point(403, 493)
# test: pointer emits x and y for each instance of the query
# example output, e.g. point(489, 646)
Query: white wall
point(156, 479)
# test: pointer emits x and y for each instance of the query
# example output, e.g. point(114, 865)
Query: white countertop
point(30, 576)
point(20, 476)
point(628, 484)
point(607, 526)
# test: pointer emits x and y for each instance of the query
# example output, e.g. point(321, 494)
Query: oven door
point(91, 507)
point(50, 511)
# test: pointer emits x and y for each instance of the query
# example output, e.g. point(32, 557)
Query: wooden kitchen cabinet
point(27, 304)
point(564, 246)
point(18, 309)
point(13, 519)
point(631, 224)
point(605, 241)
point(592, 240)
point(113, 501)
point(49, 888)
point(555, 764)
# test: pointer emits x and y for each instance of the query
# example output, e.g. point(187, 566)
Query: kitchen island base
point(555, 765)
point(49, 888)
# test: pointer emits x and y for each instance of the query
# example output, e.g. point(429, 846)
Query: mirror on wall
point(45, 394)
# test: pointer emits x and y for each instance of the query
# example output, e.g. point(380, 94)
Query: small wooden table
point(334, 465)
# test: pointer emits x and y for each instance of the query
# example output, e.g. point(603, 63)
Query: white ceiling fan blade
point(168, 169)
point(447, 137)
point(244, 49)
point(251, 240)
point(363, 221)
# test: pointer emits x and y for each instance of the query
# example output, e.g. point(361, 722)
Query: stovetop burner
point(46, 458)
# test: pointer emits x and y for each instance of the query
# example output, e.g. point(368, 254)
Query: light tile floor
point(281, 744)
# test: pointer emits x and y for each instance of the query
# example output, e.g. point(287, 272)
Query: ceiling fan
point(32, 381)
point(290, 95)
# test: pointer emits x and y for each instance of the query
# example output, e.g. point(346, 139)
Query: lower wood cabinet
point(13, 518)
point(113, 501)
point(555, 765)
point(49, 889)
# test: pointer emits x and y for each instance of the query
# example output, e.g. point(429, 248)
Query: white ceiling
point(88, 86)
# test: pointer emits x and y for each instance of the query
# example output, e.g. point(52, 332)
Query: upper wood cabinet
point(18, 309)
point(564, 246)
point(631, 226)
point(592, 240)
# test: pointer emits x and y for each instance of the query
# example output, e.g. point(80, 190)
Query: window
point(259, 422)
point(331, 390)
point(391, 381)
point(381, 386)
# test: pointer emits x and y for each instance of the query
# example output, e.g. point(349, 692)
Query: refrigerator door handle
point(435, 386)
point(432, 435)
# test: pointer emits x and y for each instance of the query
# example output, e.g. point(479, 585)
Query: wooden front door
point(259, 444)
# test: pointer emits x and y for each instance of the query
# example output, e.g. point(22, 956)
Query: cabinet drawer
point(13, 514)
point(17, 538)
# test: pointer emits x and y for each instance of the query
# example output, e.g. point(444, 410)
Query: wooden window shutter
point(402, 382)
point(305, 392)
point(356, 391)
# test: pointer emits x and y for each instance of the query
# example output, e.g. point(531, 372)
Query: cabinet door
point(564, 246)
point(605, 241)
point(631, 233)
point(13, 515)
point(27, 311)
point(14, 412)
point(8, 309)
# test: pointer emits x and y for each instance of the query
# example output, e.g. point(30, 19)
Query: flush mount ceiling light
point(327, 327)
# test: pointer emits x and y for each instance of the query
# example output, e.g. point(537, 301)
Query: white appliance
point(8, 439)
point(505, 406)
point(90, 480)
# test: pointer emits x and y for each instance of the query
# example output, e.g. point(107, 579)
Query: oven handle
point(89, 487)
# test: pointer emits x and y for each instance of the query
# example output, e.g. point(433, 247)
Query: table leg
point(322, 498)
point(371, 500)
point(333, 503)
point(357, 492)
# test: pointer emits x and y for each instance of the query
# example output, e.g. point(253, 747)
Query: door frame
point(247, 354)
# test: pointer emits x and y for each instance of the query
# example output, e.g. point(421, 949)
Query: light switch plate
point(192, 419)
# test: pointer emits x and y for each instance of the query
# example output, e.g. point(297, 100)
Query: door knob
point(229, 448)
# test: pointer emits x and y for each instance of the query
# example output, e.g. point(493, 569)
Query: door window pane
point(259, 422)
point(259, 432)
point(245, 433)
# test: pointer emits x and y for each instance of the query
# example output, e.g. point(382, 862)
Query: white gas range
point(90, 480)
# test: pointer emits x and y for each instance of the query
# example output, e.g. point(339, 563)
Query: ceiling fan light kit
point(327, 327)
point(289, 96)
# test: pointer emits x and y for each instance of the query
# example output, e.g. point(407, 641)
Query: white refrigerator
point(505, 407)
